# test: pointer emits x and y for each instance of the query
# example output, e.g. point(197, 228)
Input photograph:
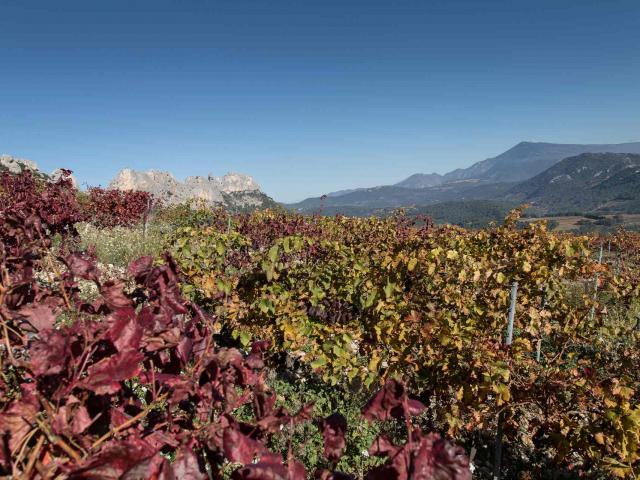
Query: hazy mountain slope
point(393, 196)
point(528, 159)
point(587, 182)
point(469, 213)
point(344, 192)
point(421, 180)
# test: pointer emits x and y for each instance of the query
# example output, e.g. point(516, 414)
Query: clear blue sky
point(310, 96)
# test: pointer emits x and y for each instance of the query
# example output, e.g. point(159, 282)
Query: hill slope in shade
point(604, 182)
point(392, 196)
point(528, 159)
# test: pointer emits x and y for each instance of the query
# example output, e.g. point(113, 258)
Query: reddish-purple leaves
point(41, 316)
point(239, 448)
point(255, 358)
point(17, 420)
point(156, 467)
point(125, 331)
point(82, 265)
point(391, 402)
point(105, 376)
point(113, 295)
point(271, 467)
point(328, 475)
point(140, 268)
point(139, 373)
point(186, 466)
point(50, 354)
point(71, 419)
point(334, 429)
point(263, 402)
point(111, 207)
point(114, 461)
point(425, 457)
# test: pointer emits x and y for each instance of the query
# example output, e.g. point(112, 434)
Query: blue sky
point(310, 96)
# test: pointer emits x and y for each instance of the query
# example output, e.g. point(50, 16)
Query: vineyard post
point(228, 223)
point(595, 287)
point(146, 218)
point(543, 302)
point(512, 313)
point(497, 458)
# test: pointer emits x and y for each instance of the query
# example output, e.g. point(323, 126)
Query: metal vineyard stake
point(497, 459)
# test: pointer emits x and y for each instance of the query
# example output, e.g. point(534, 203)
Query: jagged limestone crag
point(234, 190)
point(16, 165)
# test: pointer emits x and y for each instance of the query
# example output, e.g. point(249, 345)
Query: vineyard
point(271, 345)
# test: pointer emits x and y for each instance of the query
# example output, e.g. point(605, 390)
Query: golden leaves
point(357, 302)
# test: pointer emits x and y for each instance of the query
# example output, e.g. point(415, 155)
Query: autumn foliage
point(131, 384)
point(112, 207)
point(363, 301)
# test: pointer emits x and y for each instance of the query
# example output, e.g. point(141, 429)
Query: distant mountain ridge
point(527, 159)
point(502, 178)
point(520, 162)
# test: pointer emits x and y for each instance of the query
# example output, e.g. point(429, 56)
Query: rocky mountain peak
point(237, 182)
point(209, 189)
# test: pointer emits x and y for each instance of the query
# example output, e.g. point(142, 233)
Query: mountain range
point(541, 174)
point(552, 178)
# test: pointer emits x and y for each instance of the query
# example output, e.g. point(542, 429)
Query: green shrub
point(120, 245)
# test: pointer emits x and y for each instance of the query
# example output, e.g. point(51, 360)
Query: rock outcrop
point(234, 190)
point(16, 165)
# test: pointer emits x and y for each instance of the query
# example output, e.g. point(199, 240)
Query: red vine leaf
point(334, 429)
point(105, 376)
point(391, 402)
